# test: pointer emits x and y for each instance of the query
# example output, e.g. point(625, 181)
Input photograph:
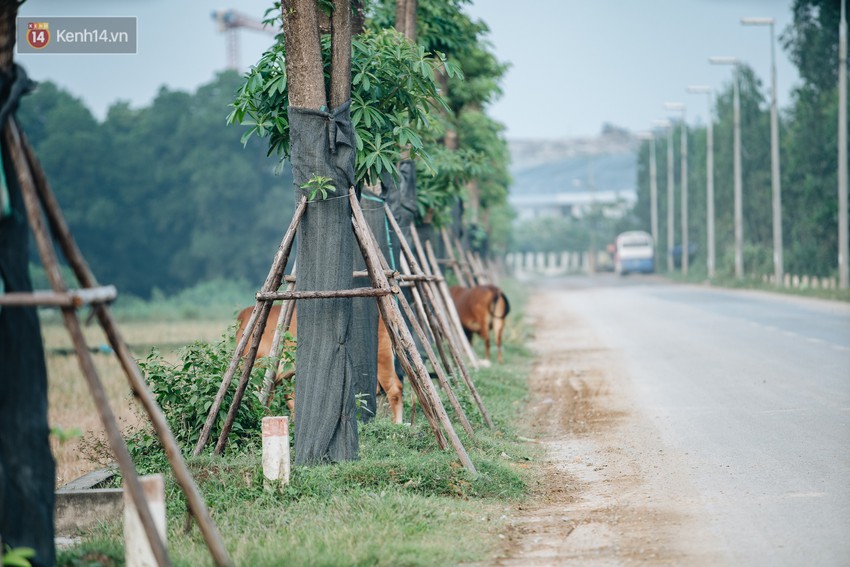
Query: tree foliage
point(161, 196)
point(393, 94)
point(812, 42)
point(481, 164)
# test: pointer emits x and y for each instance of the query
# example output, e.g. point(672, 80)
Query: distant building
point(567, 178)
point(576, 204)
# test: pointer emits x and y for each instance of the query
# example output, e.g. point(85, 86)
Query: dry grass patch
point(71, 405)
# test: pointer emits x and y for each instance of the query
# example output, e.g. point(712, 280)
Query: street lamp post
point(842, 150)
point(653, 188)
point(778, 262)
point(709, 177)
point(670, 198)
point(680, 107)
point(736, 124)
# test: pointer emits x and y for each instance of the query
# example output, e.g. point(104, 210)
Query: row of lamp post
point(776, 188)
point(736, 161)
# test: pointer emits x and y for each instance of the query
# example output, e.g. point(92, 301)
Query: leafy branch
point(318, 185)
point(393, 97)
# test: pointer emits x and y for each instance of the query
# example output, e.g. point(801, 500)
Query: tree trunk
point(27, 473)
point(405, 18)
point(341, 53)
point(401, 16)
point(322, 144)
point(303, 54)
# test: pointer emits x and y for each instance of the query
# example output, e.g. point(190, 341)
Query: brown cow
point(482, 308)
point(387, 378)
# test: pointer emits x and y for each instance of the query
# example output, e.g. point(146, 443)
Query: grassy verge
point(404, 502)
point(699, 277)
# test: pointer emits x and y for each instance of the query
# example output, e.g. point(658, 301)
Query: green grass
point(729, 281)
point(403, 502)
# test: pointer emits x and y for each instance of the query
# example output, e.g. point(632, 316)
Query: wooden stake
point(478, 267)
point(442, 321)
point(452, 260)
point(403, 351)
point(72, 298)
point(356, 292)
point(417, 300)
point(446, 303)
point(261, 311)
point(51, 268)
point(363, 273)
point(463, 371)
point(420, 332)
point(441, 377)
point(250, 357)
point(283, 321)
point(464, 264)
point(401, 335)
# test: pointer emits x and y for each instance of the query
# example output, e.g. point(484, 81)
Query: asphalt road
point(752, 390)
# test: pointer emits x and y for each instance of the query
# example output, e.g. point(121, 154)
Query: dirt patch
point(608, 493)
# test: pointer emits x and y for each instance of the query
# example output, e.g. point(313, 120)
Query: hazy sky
point(575, 64)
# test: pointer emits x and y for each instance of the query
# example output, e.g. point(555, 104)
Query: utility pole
point(709, 178)
point(653, 192)
point(739, 201)
point(842, 149)
point(736, 122)
point(685, 254)
point(593, 252)
point(653, 188)
point(778, 261)
point(670, 199)
point(680, 107)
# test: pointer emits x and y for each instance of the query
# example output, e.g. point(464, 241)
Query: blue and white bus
point(634, 252)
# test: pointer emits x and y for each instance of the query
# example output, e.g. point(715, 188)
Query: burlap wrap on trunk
point(325, 425)
point(26, 463)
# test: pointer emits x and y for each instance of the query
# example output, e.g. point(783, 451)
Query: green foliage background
point(161, 197)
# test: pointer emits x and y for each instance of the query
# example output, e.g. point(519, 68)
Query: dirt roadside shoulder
point(610, 493)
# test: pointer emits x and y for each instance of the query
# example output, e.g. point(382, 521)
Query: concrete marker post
point(275, 452)
point(137, 549)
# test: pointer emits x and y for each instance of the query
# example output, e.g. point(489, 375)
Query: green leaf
point(18, 557)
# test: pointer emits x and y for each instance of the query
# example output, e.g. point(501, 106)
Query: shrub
point(186, 390)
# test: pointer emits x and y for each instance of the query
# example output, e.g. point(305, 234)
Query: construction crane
point(229, 22)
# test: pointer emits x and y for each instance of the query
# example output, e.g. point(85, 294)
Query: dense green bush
point(186, 390)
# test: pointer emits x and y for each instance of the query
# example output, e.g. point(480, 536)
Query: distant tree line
point(162, 197)
point(808, 155)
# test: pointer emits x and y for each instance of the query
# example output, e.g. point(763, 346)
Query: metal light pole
point(709, 177)
point(842, 150)
point(739, 208)
point(680, 107)
point(670, 198)
point(778, 262)
point(653, 187)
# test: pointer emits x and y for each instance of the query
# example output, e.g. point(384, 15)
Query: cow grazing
point(387, 378)
point(481, 309)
